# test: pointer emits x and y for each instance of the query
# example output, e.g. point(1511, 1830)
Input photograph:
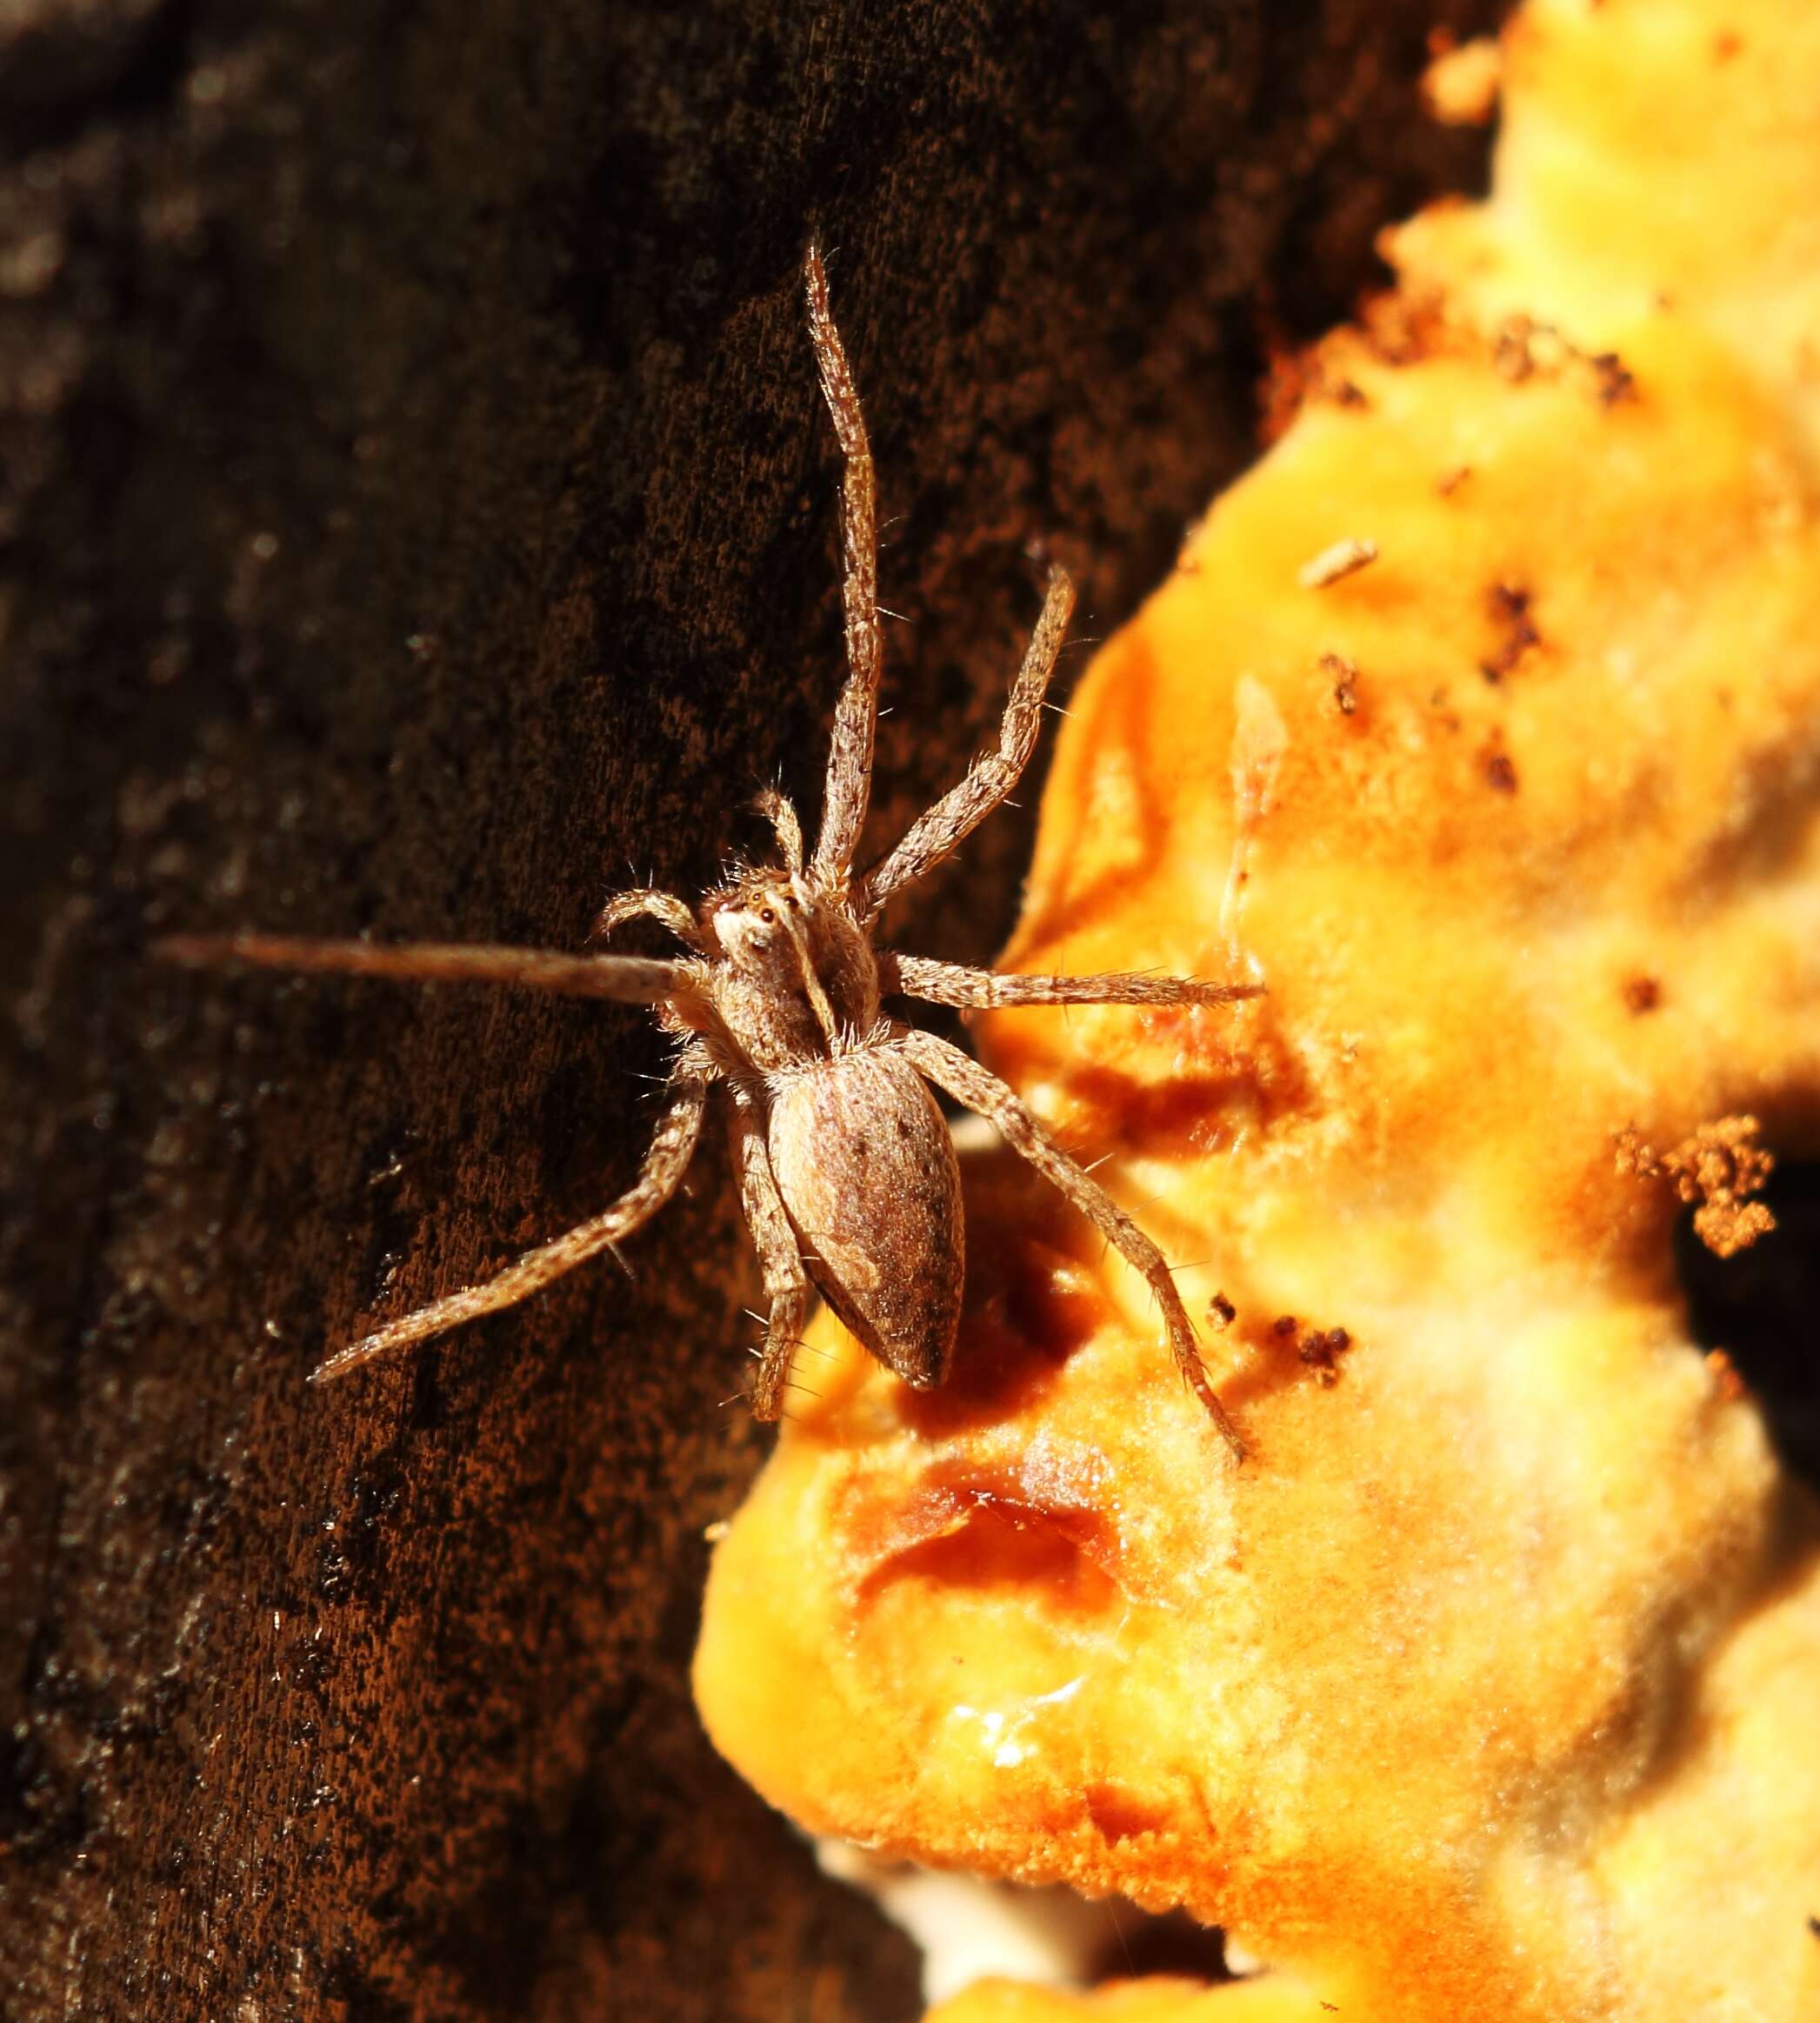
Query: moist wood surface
point(415, 503)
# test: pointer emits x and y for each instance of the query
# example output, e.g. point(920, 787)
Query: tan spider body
point(847, 1173)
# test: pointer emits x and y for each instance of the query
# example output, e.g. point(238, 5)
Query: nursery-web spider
point(847, 1172)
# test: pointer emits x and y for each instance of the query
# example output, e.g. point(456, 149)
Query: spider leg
point(676, 914)
point(786, 1283)
point(951, 983)
point(629, 979)
point(942, 829)
point(671, 1149)
point(979, 1089)
point(849, 752)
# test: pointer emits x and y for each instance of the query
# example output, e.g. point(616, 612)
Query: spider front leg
point(786, 1283)
point(626, 980)
point(856, 715)
point(979, 1089)
point(672, 1147)
point(940, 832)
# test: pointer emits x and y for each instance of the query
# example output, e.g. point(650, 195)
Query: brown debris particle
point(1525, 347)
point(1295, 375)
point(1719, 1166)
point(1500, 771)
point(1220, 1313)
point(1283, 1325)
point(1404, 328)
point(1460, 86)
point(1613, 378)
point(1731, 1387)
point(1288, 378)
point(1642, 993)
point(1345, 681)
point(1334, 564)
point(1298, 375)
point(1320, 1350)
point(1508, 607)
point(1513, 356)
point(1450, 481)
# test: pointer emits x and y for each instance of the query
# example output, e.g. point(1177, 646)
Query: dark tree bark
point(416, 505)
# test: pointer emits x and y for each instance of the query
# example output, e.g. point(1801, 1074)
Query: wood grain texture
point(415, 503)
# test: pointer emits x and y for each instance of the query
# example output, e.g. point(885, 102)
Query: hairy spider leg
point(626, 980)
point(856, 716)
point(691, 1076)
point(980, 1089)
point(951, 983)
point(939, 831)
point(780, 1257)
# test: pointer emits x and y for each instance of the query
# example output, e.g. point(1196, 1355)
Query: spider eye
point(766, 915)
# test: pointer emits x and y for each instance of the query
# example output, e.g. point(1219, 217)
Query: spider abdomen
point(862, 1160)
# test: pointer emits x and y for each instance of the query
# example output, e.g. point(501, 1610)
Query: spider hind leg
point(979, 1089)
point(671, 1149)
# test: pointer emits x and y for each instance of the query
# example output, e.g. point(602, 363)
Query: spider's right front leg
point(786, 1283)
point(856, 715)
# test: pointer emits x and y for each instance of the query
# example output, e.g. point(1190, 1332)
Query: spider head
point(793, 947)
point(759, 924)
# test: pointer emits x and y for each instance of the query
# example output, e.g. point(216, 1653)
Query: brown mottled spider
point(847, 1173)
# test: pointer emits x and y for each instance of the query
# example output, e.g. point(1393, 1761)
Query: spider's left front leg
point(786, 1283)
point(624, 980)
point(980, 1089)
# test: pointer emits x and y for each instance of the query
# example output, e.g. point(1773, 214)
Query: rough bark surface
point(414, 504)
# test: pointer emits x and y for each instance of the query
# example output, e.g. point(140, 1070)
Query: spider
point(847, 1172)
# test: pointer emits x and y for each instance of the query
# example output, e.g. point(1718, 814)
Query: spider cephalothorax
point(847, 1172)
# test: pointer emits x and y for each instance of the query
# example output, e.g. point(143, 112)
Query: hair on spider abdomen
point(847, 1170)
